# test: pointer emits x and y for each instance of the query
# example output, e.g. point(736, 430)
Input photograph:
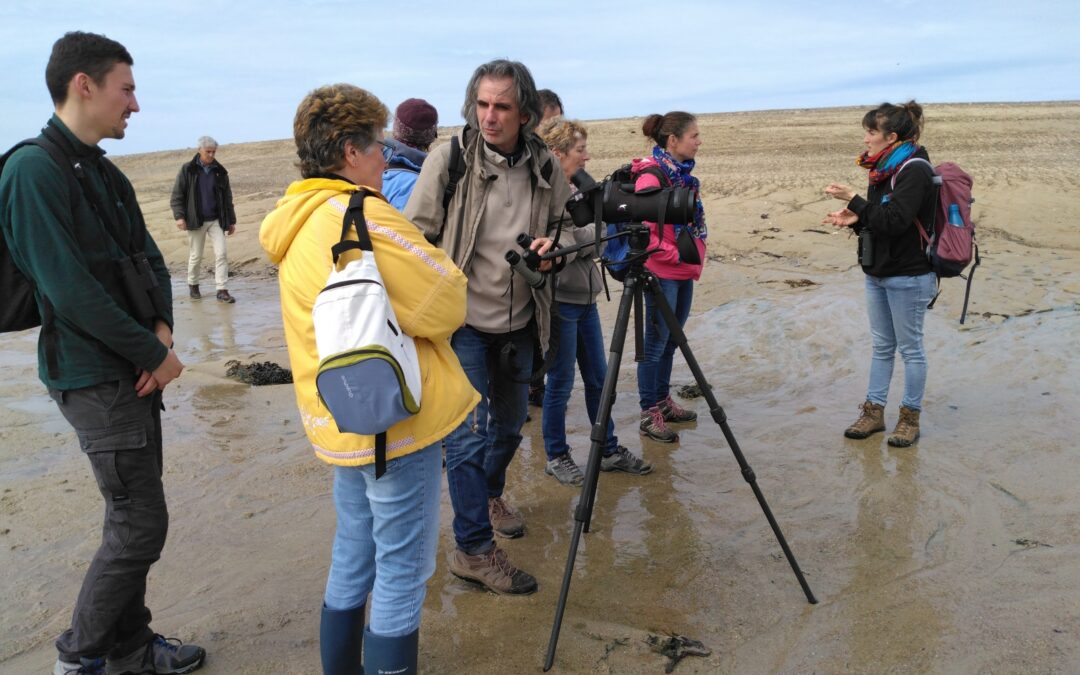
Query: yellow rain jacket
point(425, 287)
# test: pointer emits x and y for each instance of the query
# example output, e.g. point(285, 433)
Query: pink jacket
point(665, 263)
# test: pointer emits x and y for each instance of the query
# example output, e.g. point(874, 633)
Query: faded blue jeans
point(387, 533)
point(481, 448)
point(654, 373)
point(897, 307)
point(581, 340)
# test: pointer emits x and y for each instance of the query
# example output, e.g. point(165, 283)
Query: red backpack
point(950, 242)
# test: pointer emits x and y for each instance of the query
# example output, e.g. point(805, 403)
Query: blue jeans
point(654, 373)
point(480, 449)
point(897, 306)
point(387, 533)
point(580, 339)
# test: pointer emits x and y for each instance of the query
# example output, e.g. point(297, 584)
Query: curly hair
point(561, 134)
point(327, 118)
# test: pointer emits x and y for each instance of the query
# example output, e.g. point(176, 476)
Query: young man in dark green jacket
point(110, 355)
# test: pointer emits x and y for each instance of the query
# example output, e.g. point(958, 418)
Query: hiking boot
point(674, 413)
point(907, 428)
point(626, 461)
point(223, 296)
point(505, 520)
point(83, 667)
point(160, 655)
point(653, 426)
point(193, 291)
point(871, 421)
point(493, 571)
point(565, 470)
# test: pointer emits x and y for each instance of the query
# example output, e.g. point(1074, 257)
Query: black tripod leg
point(677, 334)
point(583, 512)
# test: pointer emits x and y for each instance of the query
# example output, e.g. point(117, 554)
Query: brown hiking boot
point(871, 421)
point(493, 571)
point(907, 428)
point(193, 291)
point(505, 520)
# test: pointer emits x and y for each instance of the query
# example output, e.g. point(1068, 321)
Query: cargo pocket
point(127, 436)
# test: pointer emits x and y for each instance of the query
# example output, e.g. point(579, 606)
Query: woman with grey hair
point(387, 529)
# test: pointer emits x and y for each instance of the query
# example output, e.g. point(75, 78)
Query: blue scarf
point(679, 175)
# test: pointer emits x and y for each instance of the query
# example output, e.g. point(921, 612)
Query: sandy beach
point(958, 555)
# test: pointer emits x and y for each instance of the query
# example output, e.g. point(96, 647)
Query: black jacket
point(185, 195)
point(897, 248)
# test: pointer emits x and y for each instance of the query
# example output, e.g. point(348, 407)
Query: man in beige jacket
point(510, 185)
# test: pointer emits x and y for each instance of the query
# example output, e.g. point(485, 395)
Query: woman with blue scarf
point(677, 265)
point(899, 281)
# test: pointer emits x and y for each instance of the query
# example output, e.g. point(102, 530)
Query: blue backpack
point(615, 252)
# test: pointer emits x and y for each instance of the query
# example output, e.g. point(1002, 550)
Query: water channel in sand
point(959, 555)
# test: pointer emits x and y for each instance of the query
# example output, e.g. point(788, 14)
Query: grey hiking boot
point(674, 413)
point(653, 426)
point(83, 667)
point(871, 420)
point(625, 461)
point(493, 571)
point(565, 470)
point(505, 519)
point(907, 428)
point(160, 655)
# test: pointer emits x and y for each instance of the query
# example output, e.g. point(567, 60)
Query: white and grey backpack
point(369, 375)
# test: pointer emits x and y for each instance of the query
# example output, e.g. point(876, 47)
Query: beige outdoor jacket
point(466, 209)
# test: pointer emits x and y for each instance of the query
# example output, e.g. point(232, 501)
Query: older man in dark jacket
point(202, 204)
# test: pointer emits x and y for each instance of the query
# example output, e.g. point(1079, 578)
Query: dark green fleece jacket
point(70, 256)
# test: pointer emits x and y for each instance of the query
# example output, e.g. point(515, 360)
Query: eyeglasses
point(387, 151)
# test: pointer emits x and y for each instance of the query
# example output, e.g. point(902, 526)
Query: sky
point(237, 70)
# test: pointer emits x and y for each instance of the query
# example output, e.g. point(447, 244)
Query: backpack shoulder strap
point(456, 170)
point(354, 219)
point(916, 160)
point(57, 155)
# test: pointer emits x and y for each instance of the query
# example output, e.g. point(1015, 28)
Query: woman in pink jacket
point(675, 265)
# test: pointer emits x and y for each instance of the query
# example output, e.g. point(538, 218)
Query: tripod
point(638, 281)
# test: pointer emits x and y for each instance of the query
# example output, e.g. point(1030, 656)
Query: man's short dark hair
point(79, 52)
point(549, 99)
point(524, 88)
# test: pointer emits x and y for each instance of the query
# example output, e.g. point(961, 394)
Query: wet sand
point(957, 555)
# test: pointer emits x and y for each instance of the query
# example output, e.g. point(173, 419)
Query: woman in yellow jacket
point(387, 528)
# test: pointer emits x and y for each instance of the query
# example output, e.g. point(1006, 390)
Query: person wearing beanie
point(416, 124)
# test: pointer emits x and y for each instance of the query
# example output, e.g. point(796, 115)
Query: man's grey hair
point(527, 98)
point(206, 142)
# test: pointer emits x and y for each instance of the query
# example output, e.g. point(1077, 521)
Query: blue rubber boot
point(341, 641)
point(391, 655)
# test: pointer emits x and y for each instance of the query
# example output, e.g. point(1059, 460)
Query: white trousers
point(196, 244)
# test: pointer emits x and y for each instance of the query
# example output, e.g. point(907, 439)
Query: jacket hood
point(406, 155)
point(281, 225)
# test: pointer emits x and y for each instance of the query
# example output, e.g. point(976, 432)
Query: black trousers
point(121, 435)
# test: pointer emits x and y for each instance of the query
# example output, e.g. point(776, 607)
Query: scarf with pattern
point(886, 162)
point(679, 175)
